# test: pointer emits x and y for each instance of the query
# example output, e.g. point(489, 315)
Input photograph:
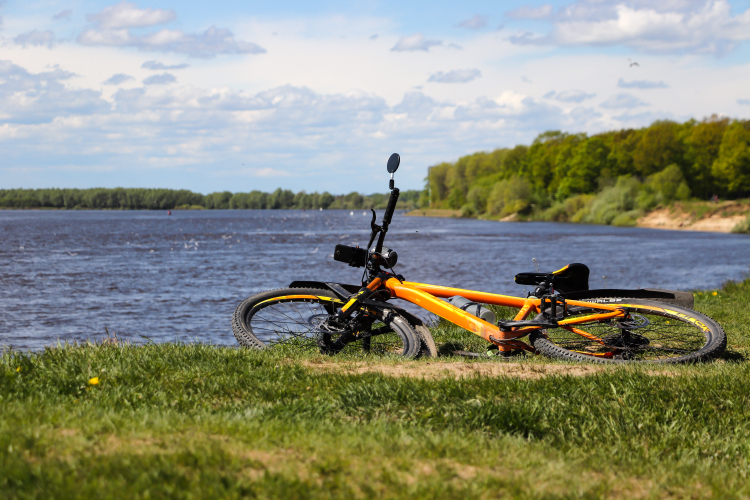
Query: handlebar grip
point(391, 206)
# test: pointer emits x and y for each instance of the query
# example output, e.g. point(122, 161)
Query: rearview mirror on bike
point(393, 162)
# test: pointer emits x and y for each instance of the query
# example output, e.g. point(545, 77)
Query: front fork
point(355, 302)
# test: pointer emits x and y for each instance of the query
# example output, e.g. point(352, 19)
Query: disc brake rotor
point(633, 322)
point(323, 323)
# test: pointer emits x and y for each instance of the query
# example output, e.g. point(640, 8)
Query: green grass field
point(199, 421)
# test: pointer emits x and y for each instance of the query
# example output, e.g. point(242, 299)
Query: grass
point(199, 421)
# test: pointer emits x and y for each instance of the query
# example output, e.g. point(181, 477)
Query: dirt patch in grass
point(456, 370)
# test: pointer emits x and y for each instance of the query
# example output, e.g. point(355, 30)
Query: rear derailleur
point(627, 342)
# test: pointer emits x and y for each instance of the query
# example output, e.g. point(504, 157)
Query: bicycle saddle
point(573, 277)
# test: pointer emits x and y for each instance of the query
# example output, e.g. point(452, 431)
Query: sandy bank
point(434, 212)
point(690, 216)
point(719, 217)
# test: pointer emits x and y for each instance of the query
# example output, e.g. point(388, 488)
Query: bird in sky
point(633, 63)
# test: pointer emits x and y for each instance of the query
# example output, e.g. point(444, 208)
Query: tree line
point(168, 199)
point(609, 178)
point(601, 177)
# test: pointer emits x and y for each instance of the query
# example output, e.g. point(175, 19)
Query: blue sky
point(316, 95)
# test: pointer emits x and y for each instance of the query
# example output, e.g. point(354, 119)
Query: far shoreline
point(722, 217)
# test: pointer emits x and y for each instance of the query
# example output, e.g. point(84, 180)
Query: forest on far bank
point(168, 199)
point(608, 178)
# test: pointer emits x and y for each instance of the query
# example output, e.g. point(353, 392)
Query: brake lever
point(375, 228)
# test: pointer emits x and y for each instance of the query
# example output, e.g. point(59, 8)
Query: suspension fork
point(355, 301)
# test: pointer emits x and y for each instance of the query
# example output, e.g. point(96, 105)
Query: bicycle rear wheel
point(296, 318)
point(653, 332)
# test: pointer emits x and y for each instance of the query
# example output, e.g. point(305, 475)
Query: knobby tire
point(268, 320)
point(658, 333)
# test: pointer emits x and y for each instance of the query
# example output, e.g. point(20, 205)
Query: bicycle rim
point(290, 322)
point(379, 339)
point(648, 334)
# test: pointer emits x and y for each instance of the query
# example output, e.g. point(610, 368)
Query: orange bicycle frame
point(426, 297)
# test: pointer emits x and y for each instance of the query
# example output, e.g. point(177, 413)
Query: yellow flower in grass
point(715, 293)
point(18, 369)
point(94, 381)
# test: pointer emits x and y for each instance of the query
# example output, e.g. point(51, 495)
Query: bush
point(743, 226)
point(613, 201)
point(627, 219)
point(477, 198)
point(467, 211)
point(668, 185)
point(509, 196)
point(569, 210)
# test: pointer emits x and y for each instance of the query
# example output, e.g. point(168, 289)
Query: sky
point(315, 96)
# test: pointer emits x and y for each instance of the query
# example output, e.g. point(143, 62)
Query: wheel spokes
point(298, 323)
point(647, 336)
point(288, 323)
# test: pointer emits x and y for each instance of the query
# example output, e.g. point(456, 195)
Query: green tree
point(658, 147)
point(732, 168)
point(581, 171)
point(325, 200)
point(456, 199)
point(622, 146)
point(702, 146)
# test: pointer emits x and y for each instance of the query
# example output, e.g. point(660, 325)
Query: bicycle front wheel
point(296, 318)
point(652, 332)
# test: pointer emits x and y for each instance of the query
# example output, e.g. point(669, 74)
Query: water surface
point(66, 275)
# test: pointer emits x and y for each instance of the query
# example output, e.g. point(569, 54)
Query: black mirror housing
point(393, 162)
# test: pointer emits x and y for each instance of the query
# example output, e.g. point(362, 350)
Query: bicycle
point(562, 318)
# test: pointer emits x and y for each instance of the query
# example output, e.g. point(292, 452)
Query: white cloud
point(117, 79)
point(455, 76)
point(114, 26)
point(63, 14)
point(475, 23)
point(290, 129)
point(163, 79)
point(36, 38)
point(417, 105)
point(156, 65)
point(42, 97)
point(269, 172)
point(641, 84)
point(569, 96)
point(128, 15)
point(416, 41)
point(527, 12)
point(699, 26)
point(208, 44)
point(622, 100)
point(297, 113)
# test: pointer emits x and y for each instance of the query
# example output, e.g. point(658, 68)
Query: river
point(66, 275)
